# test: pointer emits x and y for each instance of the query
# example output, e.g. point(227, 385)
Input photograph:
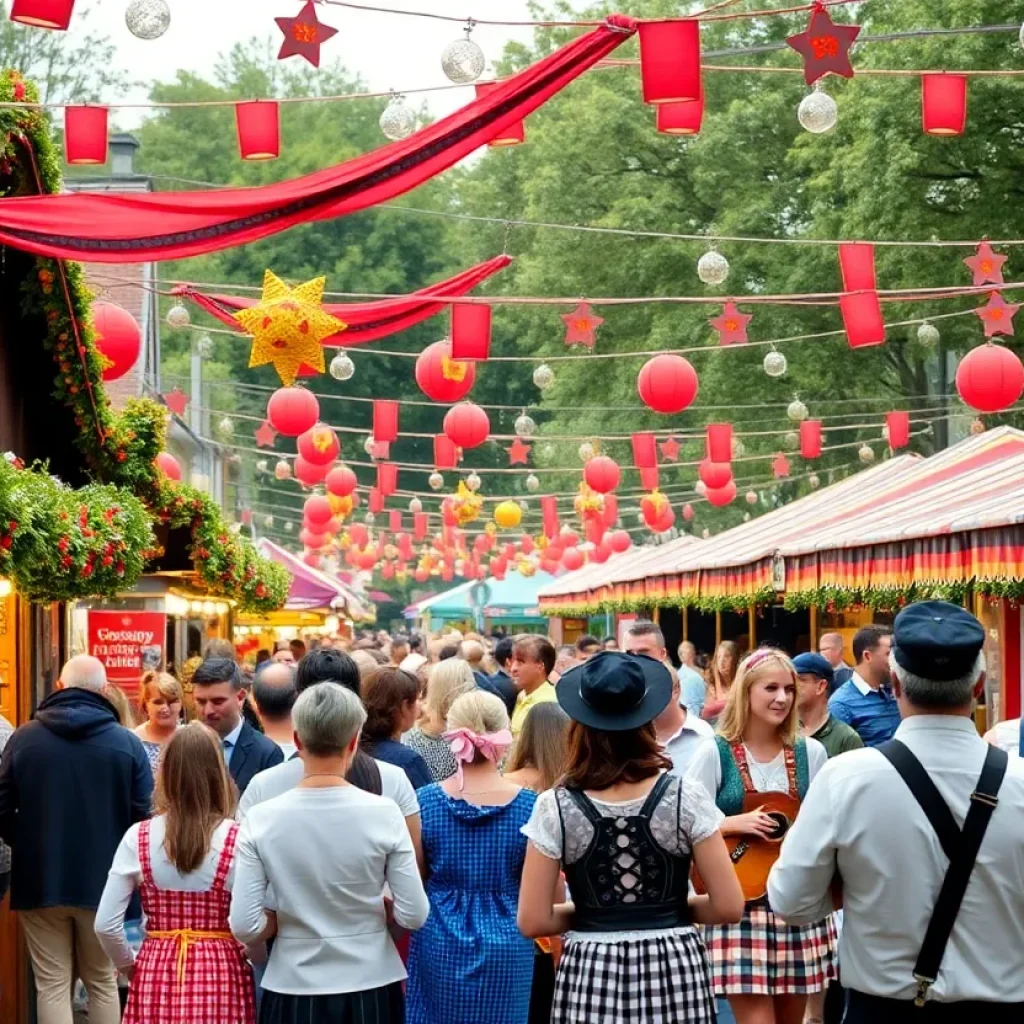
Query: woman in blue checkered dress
point(470, 964)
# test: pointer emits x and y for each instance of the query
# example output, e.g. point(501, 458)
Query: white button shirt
point(859, 814)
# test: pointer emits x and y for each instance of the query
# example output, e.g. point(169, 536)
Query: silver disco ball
point(397, 121)
point(817, 112)
point(342, 367)
point(147, 19)
point(463, 61)
point(712, 267)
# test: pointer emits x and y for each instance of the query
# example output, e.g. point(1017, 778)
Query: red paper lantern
point(85, 135)
point(387, 480)
point(943, 104)
point(466, 425)
point(167, 464)
point(620, 541)
point(897, 426)
point(498, 567)
point(684, 118)
point(720, 496)
point(385, 421)
point(688, 512)
point(602, 552)
point(366, 560)
point(446, 455)
point(319, 445)
point(419, 525)
point(316, 510)
point(292, 411)
point(471, 331)
point(312, 539)
point(602, 474)
point(526, 544)
point(810, 439)
point(573, 559)
point(441, 377)
point(645, 452)
point(259, 129)
point(862, 319)
point(309, 473)
point(375, 503)
point(663, 520)
point(990, 378)
point(649, 478)
point(714, 474)
point(312, 559)
point(667, 384)
point(513, 134)
point(421, 575)
point(670, 60)
point(117, 336)
point(857, 265)
point(549, 515)
point(341, 481)
point(55, 14)
point(611, 511)
point(358, 534)
point(719, 442)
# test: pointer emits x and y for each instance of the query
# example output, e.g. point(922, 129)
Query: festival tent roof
point(310, 587)
point(512, 599)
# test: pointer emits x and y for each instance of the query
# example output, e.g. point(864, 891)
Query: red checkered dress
point(190, 970)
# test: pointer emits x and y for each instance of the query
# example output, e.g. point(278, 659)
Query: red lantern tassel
point(610, 513)
point(395, 521)
point(444, 453)
point(670, 60)
point(471, 331)
point(419, 525)
point(810, 439)
point(549, 512)
point(385, 421)
point(387, 478)
point(943, 104)
point(719, 442)
point(857, 263)
point(645, 452)
point(85, 135)
point(259, 129)
point(55, 14)
point(862, 319)
point(376, 502)
point(513, 134)
point(898, 427)
point(649, 478)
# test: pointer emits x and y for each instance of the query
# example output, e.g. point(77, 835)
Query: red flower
point(5, 542)
point(120, 568)
point(66, 561)
point(19, 91)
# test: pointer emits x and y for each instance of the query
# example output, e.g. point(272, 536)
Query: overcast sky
point(386, 50)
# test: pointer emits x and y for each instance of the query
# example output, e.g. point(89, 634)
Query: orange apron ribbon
point(185, 938)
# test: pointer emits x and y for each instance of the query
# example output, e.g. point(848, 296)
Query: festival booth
point(510, 603)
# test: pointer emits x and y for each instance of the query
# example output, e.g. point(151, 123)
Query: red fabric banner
point(129, 228)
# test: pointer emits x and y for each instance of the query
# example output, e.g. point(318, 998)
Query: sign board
point(128, 644)
point(778, 573)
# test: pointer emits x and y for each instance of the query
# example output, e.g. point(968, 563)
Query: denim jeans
point(724, 1012)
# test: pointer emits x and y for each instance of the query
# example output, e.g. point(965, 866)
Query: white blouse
point(767, 777)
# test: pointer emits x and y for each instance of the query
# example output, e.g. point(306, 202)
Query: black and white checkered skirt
point(662, 979)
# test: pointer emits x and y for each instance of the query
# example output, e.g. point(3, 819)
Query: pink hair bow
point(465, 744)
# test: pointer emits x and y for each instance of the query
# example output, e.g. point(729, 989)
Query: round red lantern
point(568, 538)
point(421, 575)
point(167, 464)
point(602, 552)
point(990, 378)
point(319, 445)
point(317, 510)
point(292, 411)
point(312, 559)
point(442, 378)
point(466, 425)
point(667, 384)
point(117, 337)
point(55, 14)
point(620, 541)
point(602, 474)
point(548, 566)
point(312, 540)
point(662, 520)
point(526, 544)
point(85, 135)
point(714, 474)
point(307, 473)
point(366, 560)
point(358, 534)
point(720, 496)
point(341, 481)
point(259, 129)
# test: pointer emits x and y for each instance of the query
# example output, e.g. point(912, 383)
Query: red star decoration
point(731, 325)
point(986, 265)
point(176, 401)
point(581, 326)
point(670, 449)
point(304, 34)
point(825, 46)
point(997, 315)
point(519, 453)
point(780, 466)
point(266, 435)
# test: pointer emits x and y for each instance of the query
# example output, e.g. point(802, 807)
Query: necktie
point(228, 745)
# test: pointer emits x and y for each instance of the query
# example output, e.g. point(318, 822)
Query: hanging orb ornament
point(977, 427)
point(817, 112)
point(473, 482)
point(436, 481)
point(543, 376)
point(990, 378)
point(268, 522)
point(814, 481)
point(262, 466)
point(342, 367)
point(288, 527)
point(415, 506)
point(178, 317)
point(739, 449)
point(369, 519)
point(797, 411)
point(712, 267)
point(463, 61)
point(751, 497)
point(532, 483)
point(204, 347)
point(586, 451)
point(524, 506)
point(397, 121)
point(525, 426)
point(774, 364)
point(283, 470)
point(706, 533)
point(368, 446)
point(928, 334)
point(147, 19)
point(866, 453)
point(226, 426)
point(791, 440)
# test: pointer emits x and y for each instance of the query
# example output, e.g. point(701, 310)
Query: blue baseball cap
point(814, 665)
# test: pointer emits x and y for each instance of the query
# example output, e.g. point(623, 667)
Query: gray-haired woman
point(333, 958)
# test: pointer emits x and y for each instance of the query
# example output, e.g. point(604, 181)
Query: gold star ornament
point(288, 327)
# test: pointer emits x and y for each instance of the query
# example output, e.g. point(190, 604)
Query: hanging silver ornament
point(462, 60)
point(436, 481)
point(739, 449)
point(712, 267)
point(369, 519)
point(473, 482)
point(640, 519)
point(397, 121)
point(525, 426)
point(586, 451)
point(543, 376)
point(262, 466)
point(342, 367)
point(866, 453)
point(524, 507)
point(547, 452)
point(814, 481)
point(774, 364)
point(791, 440)
point(147, 19)
point(268, 522)
point(415, 506)
point(797, 411)
point(204, 346)
point(817, 112)
point(977, 427)
point(226, 426)
point(746, 517)
point(701, 488)
point(283, 470)
point(178, 317)
point(368, 445)
point(532, 483)
point(751, 497)
point(928, 334)
point(288, 527)
point(706, 533)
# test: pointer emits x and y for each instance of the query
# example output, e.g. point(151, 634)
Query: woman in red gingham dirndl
point(190, 970)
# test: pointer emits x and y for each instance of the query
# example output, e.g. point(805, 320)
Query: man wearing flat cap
point(926, 834)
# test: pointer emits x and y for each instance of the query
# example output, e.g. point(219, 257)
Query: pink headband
point(465, 743)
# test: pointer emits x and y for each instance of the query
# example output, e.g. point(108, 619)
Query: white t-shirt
point(681, 747)
point(768, 777)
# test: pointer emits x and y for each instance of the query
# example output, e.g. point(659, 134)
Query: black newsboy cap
point(936, 640)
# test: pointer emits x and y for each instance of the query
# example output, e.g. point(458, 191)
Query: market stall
point(510, 603)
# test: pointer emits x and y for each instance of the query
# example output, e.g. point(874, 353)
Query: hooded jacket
point(72, 782)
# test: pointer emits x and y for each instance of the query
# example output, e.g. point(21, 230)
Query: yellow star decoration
point(288, 326)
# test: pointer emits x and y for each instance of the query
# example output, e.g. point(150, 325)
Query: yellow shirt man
point(525, 701)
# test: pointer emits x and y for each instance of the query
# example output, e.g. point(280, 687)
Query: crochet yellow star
point(288, 326)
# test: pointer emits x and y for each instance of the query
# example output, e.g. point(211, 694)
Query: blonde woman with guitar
point(757, 771)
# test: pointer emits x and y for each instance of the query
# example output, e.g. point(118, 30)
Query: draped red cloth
point(134, 228)
point(367, 321)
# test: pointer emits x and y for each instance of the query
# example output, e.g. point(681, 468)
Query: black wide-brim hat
point(615, 692)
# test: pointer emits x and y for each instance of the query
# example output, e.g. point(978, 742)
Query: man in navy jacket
point(72, 782)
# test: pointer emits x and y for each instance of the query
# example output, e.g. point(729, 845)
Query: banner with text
point(128, 644)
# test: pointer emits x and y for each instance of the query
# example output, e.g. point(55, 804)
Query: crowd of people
point(471, 830)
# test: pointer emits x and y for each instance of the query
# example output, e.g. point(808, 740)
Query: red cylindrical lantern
point(649, 478)
point(118, 338)
point(375, 503)
point(167, 464)
point(719, 496)
point(445, 455)
point(441, 377)
point(670, 60)
point(85, 135)
point(810, 439)
point(943, 104)
point(419, 525)
point(395, 521)
point(719, 442)
point(897, 425)
point(341, 481)
point(319, 445)
point(55, 14)
point(317, 510)
point(385, 420)
point(990, 378)
point(471, 331)
point(513, 134)
point(714, 474)
point(387, 479)
point(862, 319)
point(645, 451)
point(620, 541)
point(292, 411)
point(667, 384)
point(611, 511)
point(466, 425)
point(549, 515)
point(857, 265)
point(684, 118)
point(602, 474)
point(358, 534)
point(259, 129)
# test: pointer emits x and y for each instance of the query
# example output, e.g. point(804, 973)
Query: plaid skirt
point(764, 956)
point(663, 979)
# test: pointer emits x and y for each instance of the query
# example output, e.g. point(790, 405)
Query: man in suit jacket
point(219, 696)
